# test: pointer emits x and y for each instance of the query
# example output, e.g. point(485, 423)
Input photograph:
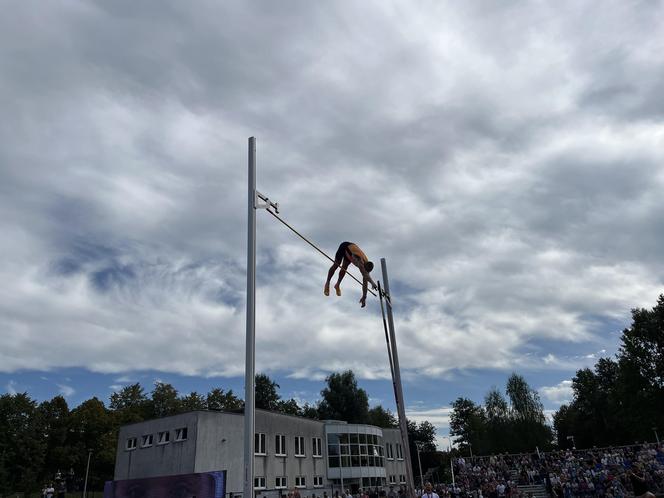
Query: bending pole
point(250, 362)
point(401, 409)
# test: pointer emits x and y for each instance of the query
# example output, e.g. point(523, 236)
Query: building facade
point(289, 452)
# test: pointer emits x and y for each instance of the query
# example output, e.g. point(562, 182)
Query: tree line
point(37, 440)
point(619, 401)
point(500, 426)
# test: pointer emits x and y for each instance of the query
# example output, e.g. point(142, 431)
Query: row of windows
point(281, 482)
point(260, 446)
point(163, 437)
point(393, 479)
point(355, 461)
point(389, 451)
point(352, 438)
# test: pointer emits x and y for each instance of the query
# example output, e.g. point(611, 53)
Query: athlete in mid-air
point(346, 254)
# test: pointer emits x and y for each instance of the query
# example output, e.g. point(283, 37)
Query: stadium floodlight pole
point(87, 472)
point(250, 362)
point(418, 445)
point(401, 409)
point(449, 442)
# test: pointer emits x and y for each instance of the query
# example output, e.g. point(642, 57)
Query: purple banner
point(204, 485)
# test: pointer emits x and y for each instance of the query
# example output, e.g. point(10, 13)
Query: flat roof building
point(289, 452)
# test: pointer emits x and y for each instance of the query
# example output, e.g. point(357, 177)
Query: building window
point(399, 452)
point(300, 482)
point(299, 446)
point(280, 445)
point(131, 443)
point(146, 441)
point(259, 444)
point(259, 482)
point(280, 483)
point(181, 434)
point(318, 481)
point(163, 437)
point(393, 479)
point(389, 451)
point(402, 479)
point(317, 447)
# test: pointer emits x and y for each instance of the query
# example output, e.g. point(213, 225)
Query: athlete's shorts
point(342, 253)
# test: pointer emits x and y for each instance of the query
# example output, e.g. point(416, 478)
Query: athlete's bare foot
point(326, 290)
point(338, 289)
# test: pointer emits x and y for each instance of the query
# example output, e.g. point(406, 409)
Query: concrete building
point(290, 452)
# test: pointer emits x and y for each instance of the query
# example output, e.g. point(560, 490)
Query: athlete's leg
point(330, 274)
point(342, 273)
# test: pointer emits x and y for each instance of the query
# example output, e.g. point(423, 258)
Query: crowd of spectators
point(616, 472)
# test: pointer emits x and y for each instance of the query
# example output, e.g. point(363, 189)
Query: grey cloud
point(500, 164)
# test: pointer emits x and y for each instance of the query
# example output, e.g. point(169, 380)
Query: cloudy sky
point(506, 159)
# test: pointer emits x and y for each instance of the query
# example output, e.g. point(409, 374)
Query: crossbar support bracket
point(267, 203)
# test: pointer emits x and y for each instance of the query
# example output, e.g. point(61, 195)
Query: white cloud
point(66, 391)
point(10, 387)
point(559, 394)
point(507, 212)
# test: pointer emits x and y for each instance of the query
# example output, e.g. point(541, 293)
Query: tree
point(643, 344)
point(55, 421)
point(22, 445)
point(165, 400)
point(380, 417)
point(93, 429)
point(528, 428)
point(467, 422)
point(217, 399)
point(193, 401)
point(497, 431)
point(310, 411)
point(342, 399)
point(266, 396)
point(525, 402)
point(290, 407)
point(130, 404)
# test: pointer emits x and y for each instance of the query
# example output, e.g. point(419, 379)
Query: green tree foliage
point(193, 401)
point(93, 428)
point(342, 399)
point(55, 423)
point(309, 411)
point(165, 400)
point(496, 427)
point(130, 404)
point(289, 407)
point(380, 417)
point(22, 444)
point(424, 433)
point(267, 395)
point(468, 423)
point(217, 399)
point(619, 401)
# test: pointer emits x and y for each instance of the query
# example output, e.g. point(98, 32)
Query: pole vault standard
point(396, 380)
point(253, 203)
point(253, 197)
point(250, 362)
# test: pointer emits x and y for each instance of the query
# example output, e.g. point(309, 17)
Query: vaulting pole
point(250, 362)
point(401, 409)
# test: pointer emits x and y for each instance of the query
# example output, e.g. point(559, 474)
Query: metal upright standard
point(250, 363)
point(253, 197)
point(398, 390)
